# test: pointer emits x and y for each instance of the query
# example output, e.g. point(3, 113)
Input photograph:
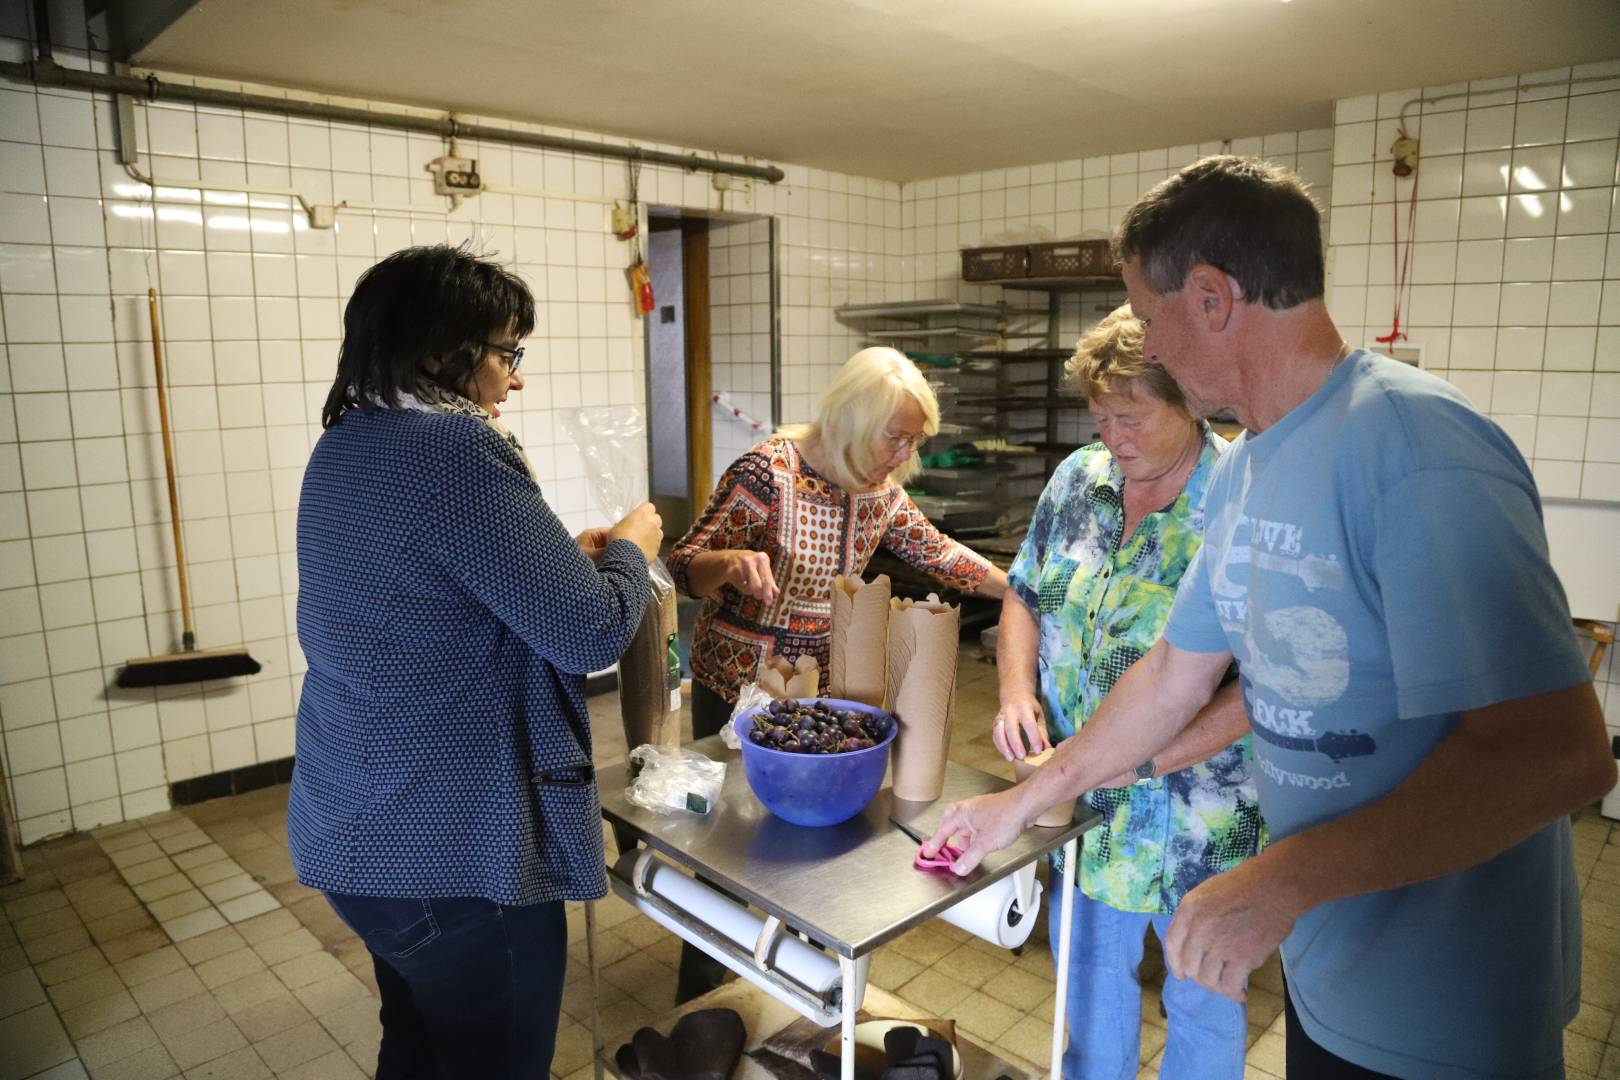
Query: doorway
point(713, 331)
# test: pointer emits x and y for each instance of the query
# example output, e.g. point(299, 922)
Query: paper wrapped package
point(858, 650)
point(650, 675)
point(922, 646)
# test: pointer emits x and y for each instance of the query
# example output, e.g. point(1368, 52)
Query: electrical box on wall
point(455, 176)
point(727, 182)
point(1407, 352)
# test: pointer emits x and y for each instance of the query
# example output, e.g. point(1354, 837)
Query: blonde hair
point(857, 408)
point(1108, 360)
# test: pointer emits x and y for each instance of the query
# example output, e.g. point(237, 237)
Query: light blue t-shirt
point(1376, 562)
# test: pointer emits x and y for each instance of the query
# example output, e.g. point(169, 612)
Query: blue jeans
point(470, 988)
point(1207, 1031)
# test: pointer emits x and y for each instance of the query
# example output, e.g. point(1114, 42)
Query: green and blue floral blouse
point(1101, 600)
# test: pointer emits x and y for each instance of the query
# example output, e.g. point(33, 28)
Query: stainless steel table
point(849, 888)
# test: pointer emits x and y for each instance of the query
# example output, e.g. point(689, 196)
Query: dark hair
point(1250, 218)
point(423, 315)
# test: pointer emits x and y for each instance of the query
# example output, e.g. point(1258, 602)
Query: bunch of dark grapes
point(814, 727)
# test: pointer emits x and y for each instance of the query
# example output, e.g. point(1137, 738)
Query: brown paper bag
point(922, 647)
point(781, 679)
point(650, 676)
point(859, 656)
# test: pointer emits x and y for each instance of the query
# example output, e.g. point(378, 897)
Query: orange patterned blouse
point(771, 500)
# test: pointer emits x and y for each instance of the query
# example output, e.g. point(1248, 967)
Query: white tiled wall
point(1082, 197)
point(1514, 288)
point(251, 307)
point(740, 335)
point(252, 302)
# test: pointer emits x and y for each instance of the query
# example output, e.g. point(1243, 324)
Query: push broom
point(190, 664)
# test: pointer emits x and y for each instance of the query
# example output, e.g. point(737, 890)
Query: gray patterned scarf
point(430, 398)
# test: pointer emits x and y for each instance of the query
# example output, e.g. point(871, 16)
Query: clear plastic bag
point(612, 443)
point(613, 447)
point(671, 779)
point(748, 696)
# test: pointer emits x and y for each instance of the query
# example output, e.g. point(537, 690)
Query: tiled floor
point(181, 945)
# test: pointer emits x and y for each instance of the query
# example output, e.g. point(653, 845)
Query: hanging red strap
point(1402, 260)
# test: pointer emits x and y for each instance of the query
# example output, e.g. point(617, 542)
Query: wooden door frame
point(699, 369)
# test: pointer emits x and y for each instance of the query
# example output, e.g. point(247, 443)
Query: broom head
point(195, 666)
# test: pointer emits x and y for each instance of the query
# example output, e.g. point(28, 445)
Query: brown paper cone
point(1063, 812)
point(649, 677)
point(780, 679)
point(858, 651)
point(773, 676)
point(806, 678)
point(922, 648)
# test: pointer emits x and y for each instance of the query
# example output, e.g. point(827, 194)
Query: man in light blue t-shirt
point(1374, 559)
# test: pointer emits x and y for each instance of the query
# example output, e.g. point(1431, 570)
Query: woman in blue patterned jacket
point(443, 797)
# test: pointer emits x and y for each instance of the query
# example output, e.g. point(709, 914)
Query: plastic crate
point(1072, 258)
point(994, 263)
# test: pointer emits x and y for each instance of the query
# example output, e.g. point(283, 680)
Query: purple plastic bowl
point(814, 789)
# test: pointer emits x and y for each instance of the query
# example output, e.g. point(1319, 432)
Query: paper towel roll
point(858, 667)
point(1003, 914)
point(808, 966)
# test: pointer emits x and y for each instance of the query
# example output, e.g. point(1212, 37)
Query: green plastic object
point(953, 459)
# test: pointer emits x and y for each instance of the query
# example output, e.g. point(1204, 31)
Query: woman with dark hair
point(444, 799)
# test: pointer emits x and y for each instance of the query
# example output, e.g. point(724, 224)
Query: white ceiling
point(900, 89)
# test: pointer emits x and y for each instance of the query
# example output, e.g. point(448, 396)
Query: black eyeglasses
point(514, 356)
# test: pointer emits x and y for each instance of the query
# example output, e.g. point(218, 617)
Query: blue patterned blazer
point(449, 620)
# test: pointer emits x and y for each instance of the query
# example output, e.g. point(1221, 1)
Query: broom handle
point(189, 640)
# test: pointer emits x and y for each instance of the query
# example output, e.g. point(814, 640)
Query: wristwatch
point(1144, 771)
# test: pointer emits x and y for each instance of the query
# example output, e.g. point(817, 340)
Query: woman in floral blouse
point(1090, 592)
point(812, 502)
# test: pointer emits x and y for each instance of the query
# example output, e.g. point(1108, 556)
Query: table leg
point(596, 1017)
point(1060, 1007)
point(850, 995)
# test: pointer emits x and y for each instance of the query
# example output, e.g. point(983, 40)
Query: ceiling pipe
point(48, 73)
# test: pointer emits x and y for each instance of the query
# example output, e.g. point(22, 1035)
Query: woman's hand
point(592, 541)
point(1020, 727)
point(986, 823)
point(643, 528)
point(749, 572)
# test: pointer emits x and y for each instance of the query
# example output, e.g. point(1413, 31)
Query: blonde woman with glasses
point(809, 503)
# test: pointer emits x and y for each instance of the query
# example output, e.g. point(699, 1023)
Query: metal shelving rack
point(987, 507)
point(960, 501)
point(930, 321)
point(1053, 351)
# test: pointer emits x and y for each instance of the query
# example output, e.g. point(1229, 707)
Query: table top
point(852, 886)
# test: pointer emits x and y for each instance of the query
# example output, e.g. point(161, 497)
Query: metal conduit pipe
point(48, 73)
point(42, 30)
